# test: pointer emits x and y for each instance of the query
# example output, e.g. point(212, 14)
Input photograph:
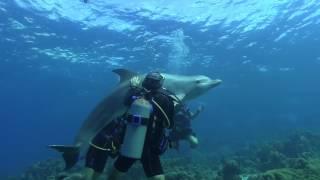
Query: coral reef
point(44, 170)
point(294, 158)
point(230, 171)
point(309, 172)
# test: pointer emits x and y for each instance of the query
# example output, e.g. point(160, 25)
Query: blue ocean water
point(57, 56)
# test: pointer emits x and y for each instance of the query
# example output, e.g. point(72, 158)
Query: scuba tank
point(137, 122)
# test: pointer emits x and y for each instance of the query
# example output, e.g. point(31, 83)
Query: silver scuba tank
point(134, 138)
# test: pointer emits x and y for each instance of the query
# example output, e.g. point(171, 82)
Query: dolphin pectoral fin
point(124, 74)
point(70, 154)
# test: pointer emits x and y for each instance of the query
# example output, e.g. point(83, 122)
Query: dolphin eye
point(198, 81)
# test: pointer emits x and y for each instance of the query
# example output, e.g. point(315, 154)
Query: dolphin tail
point(70, 154)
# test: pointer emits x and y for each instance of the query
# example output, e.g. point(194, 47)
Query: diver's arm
point(130, 96)
point(197, 112)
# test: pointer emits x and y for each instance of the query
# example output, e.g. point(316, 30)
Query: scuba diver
point(182, 129)
point(150, 113)
point(106, 143)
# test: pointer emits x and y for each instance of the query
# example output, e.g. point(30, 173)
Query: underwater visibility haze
point(57, 58)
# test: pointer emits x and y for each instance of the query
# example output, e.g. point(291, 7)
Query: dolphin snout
point(215, 83)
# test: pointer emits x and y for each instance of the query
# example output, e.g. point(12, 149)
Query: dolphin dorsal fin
point(124, 74)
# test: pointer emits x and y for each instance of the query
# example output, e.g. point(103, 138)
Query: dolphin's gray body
point(184, 87)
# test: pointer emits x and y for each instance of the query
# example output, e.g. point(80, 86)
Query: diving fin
point(70, 154)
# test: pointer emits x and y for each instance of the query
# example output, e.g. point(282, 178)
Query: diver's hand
point(135, 81)
point(200, 108)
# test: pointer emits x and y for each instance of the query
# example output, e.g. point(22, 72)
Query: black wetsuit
point(155, 132)
point(182, 128)
point(106, 143)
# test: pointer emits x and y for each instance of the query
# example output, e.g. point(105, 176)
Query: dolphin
point(185, 88)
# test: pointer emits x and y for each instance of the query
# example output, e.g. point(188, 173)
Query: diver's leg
point(84, 174)
point(90, 174)
point(152, 165)
point(115, 174)
point(158, 177)
point(193, 141)
point(98, 152)
point(120, 167)
point(74, 176)
point(96, 159)
point(95, 175)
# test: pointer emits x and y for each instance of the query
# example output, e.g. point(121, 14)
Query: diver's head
point(153, 81)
